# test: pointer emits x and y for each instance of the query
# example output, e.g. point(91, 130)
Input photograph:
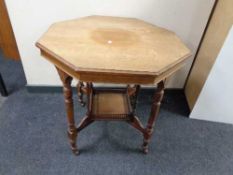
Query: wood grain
point(110, 104)
point(7, 38)
point(114, 44)
point(219, 26)
point(104, 76)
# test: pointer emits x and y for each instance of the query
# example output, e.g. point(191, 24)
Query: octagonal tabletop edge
point(113, 44)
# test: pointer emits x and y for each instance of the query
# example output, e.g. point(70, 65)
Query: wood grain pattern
point(110, 77)
point(219, 26)
point(7, 38)
point(0, 42)
point(113, 44)
point(103, 103)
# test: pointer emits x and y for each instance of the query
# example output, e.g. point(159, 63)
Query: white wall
point(215, 100)
point(31, 18)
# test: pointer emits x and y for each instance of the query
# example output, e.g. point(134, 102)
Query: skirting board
point(58, 89)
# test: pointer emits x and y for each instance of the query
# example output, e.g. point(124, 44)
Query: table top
point(114, 45)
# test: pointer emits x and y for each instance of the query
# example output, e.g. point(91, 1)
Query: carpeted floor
point(33, 138)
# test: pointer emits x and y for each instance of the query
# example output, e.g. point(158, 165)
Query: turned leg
point(89, 98)
point(87, 120)
point(153, 115)
point(67, 90)
point(80, 85)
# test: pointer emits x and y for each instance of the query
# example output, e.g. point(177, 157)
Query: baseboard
point(58, 89)
point(44, 89)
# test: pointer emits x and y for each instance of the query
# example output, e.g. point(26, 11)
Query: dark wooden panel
point(7, 41)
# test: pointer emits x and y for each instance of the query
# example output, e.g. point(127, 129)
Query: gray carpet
point(33, 139)
point(12, 74)
point(2, 99)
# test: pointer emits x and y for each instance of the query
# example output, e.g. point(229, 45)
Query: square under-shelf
point(111, 105)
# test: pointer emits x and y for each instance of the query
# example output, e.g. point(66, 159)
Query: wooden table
point(112, 50)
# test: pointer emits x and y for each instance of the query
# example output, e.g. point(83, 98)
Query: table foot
point(146, 140)
point(145, 148)
point(72, 138)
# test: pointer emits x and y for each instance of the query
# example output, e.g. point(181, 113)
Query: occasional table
point(103, 49)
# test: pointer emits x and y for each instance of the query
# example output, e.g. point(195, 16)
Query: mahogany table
point(112, 50)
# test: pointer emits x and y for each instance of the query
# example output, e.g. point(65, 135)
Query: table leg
point(87, 119)
point(67, 90)
point(80, 85)
point(153, 115)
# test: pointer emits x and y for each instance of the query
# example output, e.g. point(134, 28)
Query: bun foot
point(75, 151)
point(145, 146)
point(145, 150)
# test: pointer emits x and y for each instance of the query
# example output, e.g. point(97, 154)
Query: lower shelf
point(111, 105)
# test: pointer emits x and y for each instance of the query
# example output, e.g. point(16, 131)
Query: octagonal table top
point(103, 44)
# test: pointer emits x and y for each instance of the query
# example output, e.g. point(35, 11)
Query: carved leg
point(80, 93)
point(153, 115)
point(67, 90)
point(89, 97)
